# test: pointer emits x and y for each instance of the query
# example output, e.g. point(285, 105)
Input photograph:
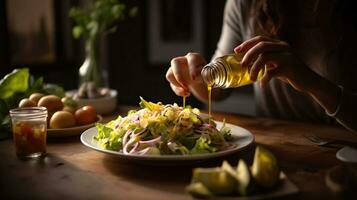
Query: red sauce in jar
point(29, 138)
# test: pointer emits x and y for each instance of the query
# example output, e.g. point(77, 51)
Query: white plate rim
point(242, 132)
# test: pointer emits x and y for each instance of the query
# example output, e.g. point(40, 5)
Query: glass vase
point(91, 71)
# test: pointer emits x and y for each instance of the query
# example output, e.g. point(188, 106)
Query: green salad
point(163, 129)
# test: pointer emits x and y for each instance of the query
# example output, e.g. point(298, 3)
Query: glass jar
point(227, 72)
point(29, 127)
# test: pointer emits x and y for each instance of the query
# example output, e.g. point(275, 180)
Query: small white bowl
point(103, 105)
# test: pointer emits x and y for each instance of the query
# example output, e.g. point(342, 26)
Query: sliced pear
point(265, 169)
point(198, 190)
point(244, 178)
point(218, 181)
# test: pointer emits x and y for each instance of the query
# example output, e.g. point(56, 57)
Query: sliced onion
point(151, 142)
point(125, 137)
point(128, 144)
point(140, 132)
point(116, 126)
point(144, 151)
point(150, 150)
point(120, 123)
point(135, 148)
point(125, 148)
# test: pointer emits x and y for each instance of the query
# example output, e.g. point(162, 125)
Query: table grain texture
point(72, 171)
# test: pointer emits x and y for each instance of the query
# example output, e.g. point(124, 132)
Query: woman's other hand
point(279, 60)
point(184, 74)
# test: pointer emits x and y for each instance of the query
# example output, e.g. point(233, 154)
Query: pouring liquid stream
point(209, 88)
point(183, 102)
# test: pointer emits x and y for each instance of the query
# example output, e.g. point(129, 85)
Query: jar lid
point(29, 112)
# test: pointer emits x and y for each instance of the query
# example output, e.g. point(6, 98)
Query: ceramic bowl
point(103, 105)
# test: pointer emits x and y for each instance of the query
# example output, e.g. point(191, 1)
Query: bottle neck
point(215, 74)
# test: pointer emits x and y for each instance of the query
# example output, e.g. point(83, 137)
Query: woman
point(308, 48)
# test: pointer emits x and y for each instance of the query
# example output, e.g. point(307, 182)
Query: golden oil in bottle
point(227, 72)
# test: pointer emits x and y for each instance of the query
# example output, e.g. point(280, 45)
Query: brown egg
point(26, 103)
point(35, 97)
point(62, 119)
point(51, 102)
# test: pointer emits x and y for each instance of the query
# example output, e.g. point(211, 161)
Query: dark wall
point(4, 53)
point(125, 54)
point(130, 72)
point(63, 71)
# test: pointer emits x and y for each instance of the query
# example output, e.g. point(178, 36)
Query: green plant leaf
point(77, 31)
point(133, 12)
point(99, 17)
point(16, 81)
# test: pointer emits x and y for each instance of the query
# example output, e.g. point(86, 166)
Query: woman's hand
point(184, 75)
point(283, 64)
point(279, 60)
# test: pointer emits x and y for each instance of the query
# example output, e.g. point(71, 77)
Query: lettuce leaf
point(144, 104)
point(109, 138)
point(103, 131)
point(226, 131)
point(203, 146)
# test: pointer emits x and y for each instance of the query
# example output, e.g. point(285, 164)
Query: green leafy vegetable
point(226, 131)
point(103, 131)
point(203, 146)
point(144, 104)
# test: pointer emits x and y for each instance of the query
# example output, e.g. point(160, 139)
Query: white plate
point(241, 139)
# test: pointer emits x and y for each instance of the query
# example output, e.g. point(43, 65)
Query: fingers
point(257, 66)
point(263, 60)
point(180, 71)
point(179, 91)
point(245, 46)
point(269, 74)
point(260, 48)
point(170, 77)
point(195, 64)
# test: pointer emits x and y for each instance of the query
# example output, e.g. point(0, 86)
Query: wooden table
point(73, 171)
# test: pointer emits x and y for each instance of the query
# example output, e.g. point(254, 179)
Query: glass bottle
point(227, 72)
